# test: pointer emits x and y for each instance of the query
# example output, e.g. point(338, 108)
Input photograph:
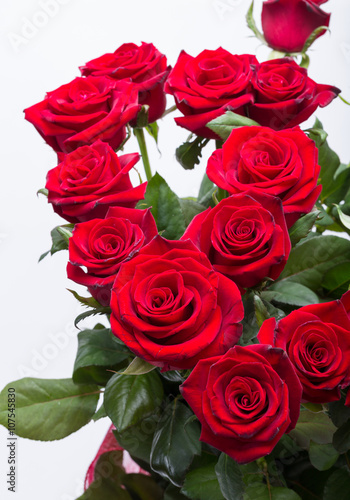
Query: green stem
point(169, 110)
point(140, 136)
point(344, 100)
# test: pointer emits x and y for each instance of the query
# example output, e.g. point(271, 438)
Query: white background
point(35, 306)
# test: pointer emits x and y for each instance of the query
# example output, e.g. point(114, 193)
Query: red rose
point(83, 111)
point(171, 308)
point(285, 96)
point(245, 237)
point(287, 24)
point(206, 86)
point(282, 164)
point(101, 245)
point(145, 66)
point(90, 180)
point(317, 341)
point(245, 400)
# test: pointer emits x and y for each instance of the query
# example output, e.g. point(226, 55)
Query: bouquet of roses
point(222, 355)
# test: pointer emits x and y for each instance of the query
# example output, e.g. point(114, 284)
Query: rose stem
point(140, 136)
point(168, 111)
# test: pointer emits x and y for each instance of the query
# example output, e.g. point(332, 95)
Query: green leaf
point(305, 61)
point(262, 492)
point(190, 209)
point(310, 260)
point(49, 409)
point(108, 476)
point(101, 413)
point(334, 186)
point(317, 427)
point(43, 191)
point(250, 323)
point(337, 486)
point(65, 232)
point(173, 376)
point(60, 236)
point(190, 152)
point(224, 124)
point(201, 482)
point(317, 133)
point(105, 490)
point(165, 208)
point(175, 443)
point(173, 493)
point(206, 191)
point(338, 412)
point(314, 35)
point(153, 130)
point(129, 399)
point(293, 294)
point(261, 312)
point(230, 478)
point(142, 487)
point(315, 407)
point(344, 219)
point(276, 54)
point(343, 167)
point(322, 456)
point(341, 438)
point(324, 220)
point(91, 312)
point(337, 280)
point(109, 466)
point(86, 301)
point(302, 227)
point(137, 439)
point(138, 366)
point(251, 24)
point(97, 348)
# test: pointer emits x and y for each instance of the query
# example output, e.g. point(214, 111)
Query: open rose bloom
point(204, 87)
point(317, 341)
point(245, 400)
point(171, 308)
point(102, 245)
point(90, 180)
point(143, 65)
point(282, 164)
point(215, 335)
point(84, 110)
point(245, 237)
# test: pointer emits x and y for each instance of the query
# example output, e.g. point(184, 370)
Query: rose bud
point(287, 24)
